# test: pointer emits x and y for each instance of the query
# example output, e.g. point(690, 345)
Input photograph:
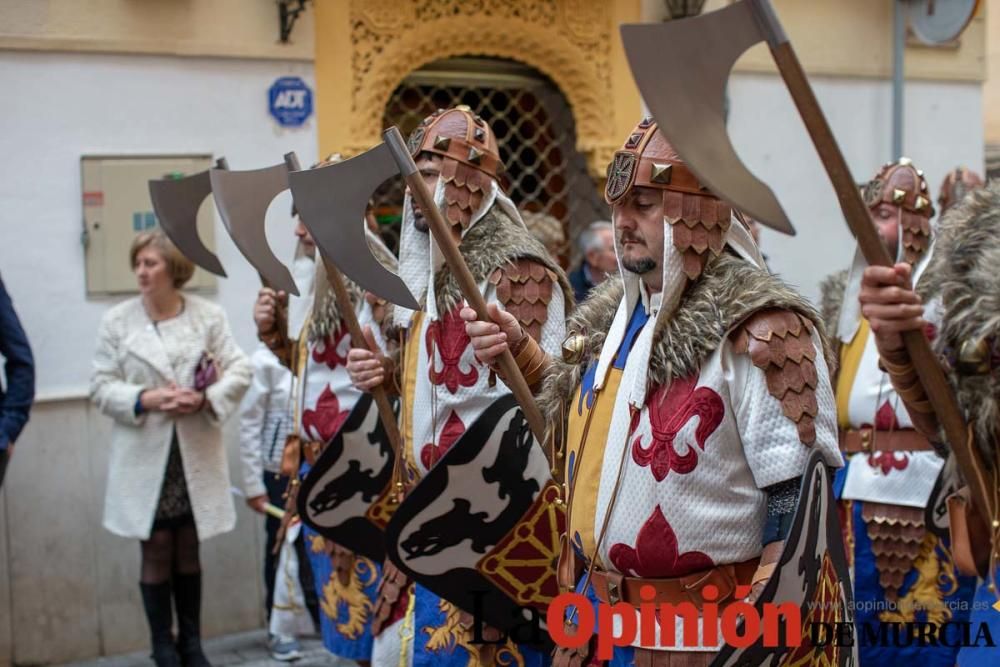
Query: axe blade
point(242, 198)
point(331, 201)
point(176, 203)
point(681, 68)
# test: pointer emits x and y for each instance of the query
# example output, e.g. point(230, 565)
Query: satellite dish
point(939, 21)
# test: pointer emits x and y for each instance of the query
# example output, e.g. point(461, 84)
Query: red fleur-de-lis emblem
point(670, 408)
point(327, 418)
point(656, 552)
point(452, 431)
point(328, 351)
point(447, 336)
point(887, 461)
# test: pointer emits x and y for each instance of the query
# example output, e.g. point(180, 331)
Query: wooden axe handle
point(385, 412)
point(346, 307)
point(932, 377)
point(466, 283)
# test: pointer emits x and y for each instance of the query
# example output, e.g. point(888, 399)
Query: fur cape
point(326, 319)
point(831, 298)
point(965, 273)
point(728, 291)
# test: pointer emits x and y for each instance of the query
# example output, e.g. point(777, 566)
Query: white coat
point(131, 356)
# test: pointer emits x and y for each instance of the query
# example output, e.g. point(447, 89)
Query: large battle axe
point(242, 198)
point(341, 192)
point(681, 68)
point(336, 281)
point(176, 202)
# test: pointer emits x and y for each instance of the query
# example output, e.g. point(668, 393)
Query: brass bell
point(974, 357)
point(573, 348)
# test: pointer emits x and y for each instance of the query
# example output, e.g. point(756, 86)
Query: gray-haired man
point(597, 244)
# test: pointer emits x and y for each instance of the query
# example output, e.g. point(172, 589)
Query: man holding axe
point(444, 390)
point(960, 287)
point(893, 472)
point(697, 390)
point(323, 399)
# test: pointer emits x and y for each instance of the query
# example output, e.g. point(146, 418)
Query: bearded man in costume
point(323, 398)
point(697, 389)
point(444, 390)
point(962, 295)
point(901, 564)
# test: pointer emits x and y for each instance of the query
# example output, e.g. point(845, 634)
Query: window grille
point(535, 132)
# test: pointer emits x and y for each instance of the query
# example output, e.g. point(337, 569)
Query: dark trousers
point(276, 486)
point(3, 465)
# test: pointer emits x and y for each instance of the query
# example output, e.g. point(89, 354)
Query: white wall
point(59, 106)
point(67, 587)
point(943, 128)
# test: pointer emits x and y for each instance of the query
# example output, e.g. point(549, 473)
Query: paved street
point(246, 648)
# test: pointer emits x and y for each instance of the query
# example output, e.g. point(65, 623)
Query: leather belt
point(868, 440)
point(311, 450)
point(613, 587)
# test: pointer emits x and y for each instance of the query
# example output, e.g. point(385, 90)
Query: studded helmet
point(958, 183)
point(699, 220)
point(902, 185)
point(471, 158)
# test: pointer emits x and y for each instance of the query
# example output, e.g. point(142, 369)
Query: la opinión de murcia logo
point(738, 623)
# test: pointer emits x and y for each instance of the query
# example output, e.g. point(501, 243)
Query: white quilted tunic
point(453, 390)
point(896, 478)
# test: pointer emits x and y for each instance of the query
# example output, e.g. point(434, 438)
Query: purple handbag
point(206, 372)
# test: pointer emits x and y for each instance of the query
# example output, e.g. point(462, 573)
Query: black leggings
point(172, 547)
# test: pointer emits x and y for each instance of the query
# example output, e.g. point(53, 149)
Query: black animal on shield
point(447, 530)
point(351, 473)
point(465, 506)
point(813, 573)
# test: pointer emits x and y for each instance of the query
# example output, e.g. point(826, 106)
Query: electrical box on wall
point(116, 207)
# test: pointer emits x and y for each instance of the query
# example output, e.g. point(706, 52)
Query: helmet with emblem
point(470, 158)
point(902, 185)
point(958, 183)
point(699, 220)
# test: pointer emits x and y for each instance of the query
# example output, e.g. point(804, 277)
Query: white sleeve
point(253, 410)
point(109, 390)
point(225, 394)
point(771, 441)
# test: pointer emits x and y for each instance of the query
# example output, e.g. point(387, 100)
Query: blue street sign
point(290, 101)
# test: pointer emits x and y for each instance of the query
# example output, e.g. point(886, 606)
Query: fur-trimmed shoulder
point(779, 342)
point(729, 291)
point(524, 287)
point(492, 242)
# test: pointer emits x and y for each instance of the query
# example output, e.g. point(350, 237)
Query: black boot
point(187, 598)
point(156, 600)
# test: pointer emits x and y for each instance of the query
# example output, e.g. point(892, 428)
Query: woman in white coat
point(169, 373)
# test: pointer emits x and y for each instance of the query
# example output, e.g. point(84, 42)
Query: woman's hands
point(173, 400)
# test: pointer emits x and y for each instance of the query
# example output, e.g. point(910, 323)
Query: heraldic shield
point(813, 573)
point(481, 530)
point(346, 495)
